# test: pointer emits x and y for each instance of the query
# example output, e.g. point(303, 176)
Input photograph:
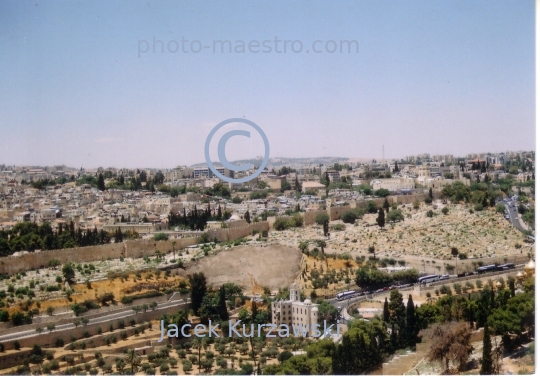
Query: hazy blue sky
point(430, 76)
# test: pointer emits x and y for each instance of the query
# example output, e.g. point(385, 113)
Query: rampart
point(133, 248)
point(228, 234)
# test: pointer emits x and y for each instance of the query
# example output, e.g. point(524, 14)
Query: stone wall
point(133, 248)
point(229, 234)
point(49, 339)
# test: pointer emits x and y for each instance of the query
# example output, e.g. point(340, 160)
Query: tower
point(294, 293)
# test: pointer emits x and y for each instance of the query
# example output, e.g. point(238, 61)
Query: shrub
point(445, 210)
point(161, 236)
point(338, 227)
point(429, 213)
point(350, 216)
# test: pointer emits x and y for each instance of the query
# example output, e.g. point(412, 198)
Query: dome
point(307, 301)
point(519, 276)
point(314, 309)
point(234, 217)
point(529, 268)
point(498, 284)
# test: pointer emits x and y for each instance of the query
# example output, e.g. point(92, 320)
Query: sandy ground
point(251, 266)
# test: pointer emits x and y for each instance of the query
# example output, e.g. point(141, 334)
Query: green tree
point(68, 272)
point(321, 243)
point(386, 205)
point(386, 311)
point(247, 217)
point(133, 360)
point(323, 219)
point(380, 218)
point(411, 327)
point(487, 360)
point(197, 283)
point(101, 182)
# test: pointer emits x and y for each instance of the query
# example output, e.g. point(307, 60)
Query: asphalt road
point(104, 318)
point(343, 304)
point(514, 215)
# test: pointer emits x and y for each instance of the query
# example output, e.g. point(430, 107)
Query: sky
point(110, 83)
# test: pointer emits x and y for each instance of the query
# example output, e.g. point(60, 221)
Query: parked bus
point(487, 269)
point(428, 278)
point(345, 295)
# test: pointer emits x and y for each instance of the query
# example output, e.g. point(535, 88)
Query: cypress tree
point(101, 182)
point(386, 311)
point(386, 204)
point(411, 322)
point(380, 218)
point(247, 217)
point(512, 287)
point(430, 193)
point(487, 361)
point(222, 305)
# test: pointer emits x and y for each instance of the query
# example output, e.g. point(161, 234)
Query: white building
point(294, 312)
point(392, 184)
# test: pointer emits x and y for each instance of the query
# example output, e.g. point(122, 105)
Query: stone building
point(294, 312)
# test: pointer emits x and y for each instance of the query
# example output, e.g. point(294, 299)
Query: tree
point(410, 329)
point(454, 251)
point(197, 282)
point(101, 182)
point(449, 342)
point(386, 311)
point(395, 215)
point(68, 272)
point(487, 360)
point(386, 205)
point(222, 304)
point(247, 217)
point(430, 194)
point(321, 244)
point(323, 219)
point(349, 216)
point(133, 360)
point(398, 314)
point(199, 344)
point(303, 245)
point(380, 218)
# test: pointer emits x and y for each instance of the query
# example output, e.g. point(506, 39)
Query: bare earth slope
point(269, 265)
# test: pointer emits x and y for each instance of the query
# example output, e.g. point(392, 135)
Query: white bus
point(345, 295)
point(428, 278)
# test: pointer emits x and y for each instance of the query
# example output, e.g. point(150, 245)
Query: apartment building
point(392, 184)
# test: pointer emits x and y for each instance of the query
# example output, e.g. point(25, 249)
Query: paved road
point(343, 304)
point(511, 207)
point(104, 318)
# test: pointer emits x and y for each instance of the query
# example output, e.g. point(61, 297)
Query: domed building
point(295, 312)
point(529, 268)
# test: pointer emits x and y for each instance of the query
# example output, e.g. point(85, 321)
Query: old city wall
point(134, 248)
point(335, 212)
point(229, 234)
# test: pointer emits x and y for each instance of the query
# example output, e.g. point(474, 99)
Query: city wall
point(133, 248)
point(335, 212)
point(229, 234)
